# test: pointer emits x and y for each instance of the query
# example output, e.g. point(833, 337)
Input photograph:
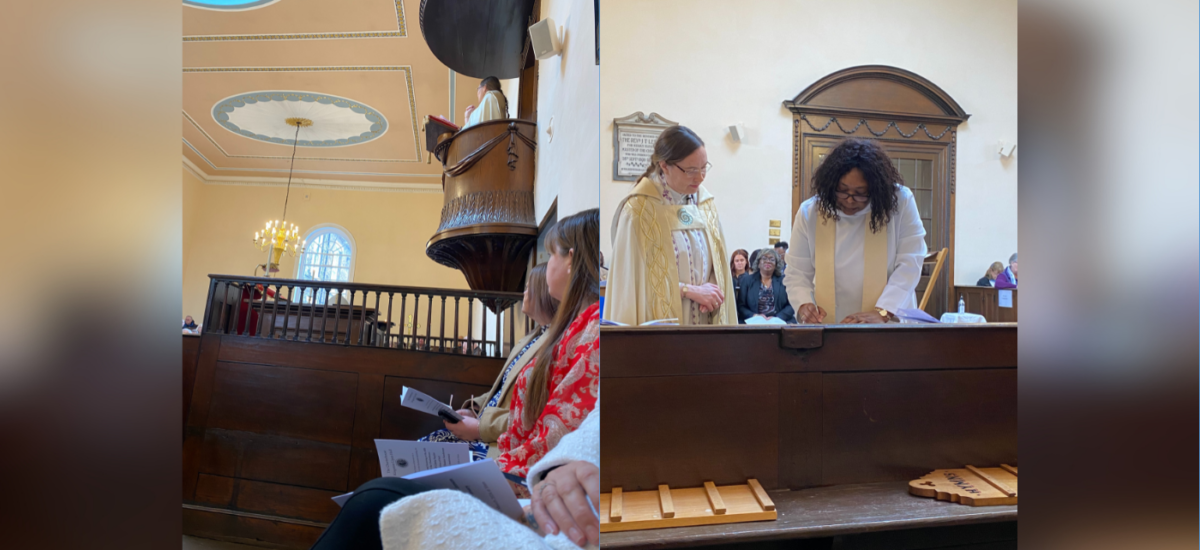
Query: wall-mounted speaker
point(544, 35)
point(737, 132)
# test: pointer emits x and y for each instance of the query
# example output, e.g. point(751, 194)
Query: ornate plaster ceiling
point(336, 121)
point(358, 68)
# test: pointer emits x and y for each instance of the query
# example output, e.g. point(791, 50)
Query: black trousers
point(357, 525)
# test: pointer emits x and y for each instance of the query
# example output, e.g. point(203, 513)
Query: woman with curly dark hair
point(858, 242)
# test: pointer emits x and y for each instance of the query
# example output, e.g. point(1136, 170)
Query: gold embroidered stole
point(874, 266)
point(651, 235)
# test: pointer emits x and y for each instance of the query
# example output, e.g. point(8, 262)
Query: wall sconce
point(737, 132)
point(1005, 149)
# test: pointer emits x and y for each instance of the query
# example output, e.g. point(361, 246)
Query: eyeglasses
point(857, 198)
point(693, 172)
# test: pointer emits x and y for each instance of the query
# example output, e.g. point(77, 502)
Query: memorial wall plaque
point(633, 143)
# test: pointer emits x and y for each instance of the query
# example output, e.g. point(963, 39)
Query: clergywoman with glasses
point(858, 243)
point(668, 246)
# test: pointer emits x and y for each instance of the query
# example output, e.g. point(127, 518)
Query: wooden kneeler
point(667, 507)
point(970, 486)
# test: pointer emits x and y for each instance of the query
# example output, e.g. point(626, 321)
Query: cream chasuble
point(845, 268)
point(490, 108)
point(661, 239)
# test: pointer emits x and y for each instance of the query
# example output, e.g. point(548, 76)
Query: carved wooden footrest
point(667, 507)
point(971, 486)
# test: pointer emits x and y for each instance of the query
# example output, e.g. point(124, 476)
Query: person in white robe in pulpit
point(858, 243)
point(492, 103)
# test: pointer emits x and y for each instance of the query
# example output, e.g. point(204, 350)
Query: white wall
point(568, 90)
point(718, 63)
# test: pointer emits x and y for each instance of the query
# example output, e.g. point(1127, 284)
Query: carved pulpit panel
point(488, 228)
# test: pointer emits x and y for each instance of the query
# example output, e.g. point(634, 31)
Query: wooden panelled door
point(914, 120)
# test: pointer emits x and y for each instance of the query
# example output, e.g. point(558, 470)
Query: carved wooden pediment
point(881, 91)
point(641, 120)
point(911, 117)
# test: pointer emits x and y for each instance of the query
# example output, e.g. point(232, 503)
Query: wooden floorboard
point(824, 512)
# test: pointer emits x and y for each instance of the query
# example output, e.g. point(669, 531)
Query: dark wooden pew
point(276, 424)
point(824, 415)
point(985, 301)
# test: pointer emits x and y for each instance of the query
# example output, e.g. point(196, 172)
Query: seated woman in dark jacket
point(763, 292)
point(989, 278)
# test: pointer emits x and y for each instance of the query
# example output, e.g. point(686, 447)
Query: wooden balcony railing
point(435, 320)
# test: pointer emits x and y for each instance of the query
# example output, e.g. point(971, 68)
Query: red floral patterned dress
point(574, 389)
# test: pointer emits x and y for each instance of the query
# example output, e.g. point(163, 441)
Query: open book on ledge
point(443, 121)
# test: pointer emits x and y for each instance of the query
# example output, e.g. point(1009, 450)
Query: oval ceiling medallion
point(228, 5)
point(336, 121)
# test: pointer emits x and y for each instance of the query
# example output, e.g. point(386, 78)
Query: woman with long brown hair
point(486, 417)
point(557, 391)
point(668, 245)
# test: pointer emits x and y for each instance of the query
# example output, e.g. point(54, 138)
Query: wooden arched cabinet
point(915, 120)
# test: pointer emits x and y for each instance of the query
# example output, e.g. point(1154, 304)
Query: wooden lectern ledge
point(828, 512)
point(832, 422)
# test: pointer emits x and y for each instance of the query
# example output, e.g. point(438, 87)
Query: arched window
point(328, 257)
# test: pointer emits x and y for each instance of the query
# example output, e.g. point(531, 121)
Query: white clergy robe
point(905, 253)
point(491, 108)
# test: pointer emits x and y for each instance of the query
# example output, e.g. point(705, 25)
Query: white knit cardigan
point(446, 519)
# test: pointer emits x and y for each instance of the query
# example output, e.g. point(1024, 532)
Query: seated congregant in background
point(668, 245)
point(492, 103)
point(763, 292)
point(739, 265)
point(859, 242)
point(189, 325)
point(1008, 277)
point(781, 249)
point(486, 416)
point(989, 278)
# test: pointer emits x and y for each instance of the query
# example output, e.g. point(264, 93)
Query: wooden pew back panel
point(804, 407)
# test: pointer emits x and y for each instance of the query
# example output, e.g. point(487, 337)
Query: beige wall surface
point(193, 197)
point(390, 230)
point(567, 102)
point(720, 63)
